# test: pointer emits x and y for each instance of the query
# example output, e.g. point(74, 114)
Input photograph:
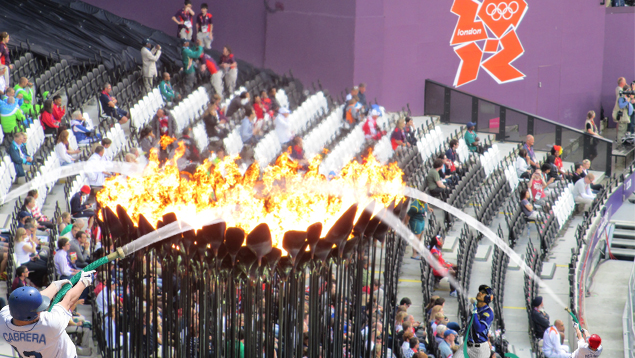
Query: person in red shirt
point(184, 18)
point(436, 247)
point(204, 27)
point(49, 123)
point(230, 69)
point(370, 127)
point(21, 278)
point(537, 187)
point(58, 110)
point(5, 57)
point(259, 108)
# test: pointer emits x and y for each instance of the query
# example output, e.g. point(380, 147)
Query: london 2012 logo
point(485, 37)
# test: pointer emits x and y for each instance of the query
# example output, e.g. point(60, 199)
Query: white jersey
point(45, 338)
point(584, 351)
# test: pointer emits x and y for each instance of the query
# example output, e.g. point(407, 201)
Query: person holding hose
point(589, 345)
point(477, 336)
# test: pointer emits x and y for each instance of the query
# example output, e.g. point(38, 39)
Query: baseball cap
point(471, 124)
point(147, 41)
point(375, 113)
point(349, 97)
point(283, 110)
point(85, 189)
point(449, 332)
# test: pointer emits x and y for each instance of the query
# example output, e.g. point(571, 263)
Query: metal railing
point(510, 124)
point(628, 319)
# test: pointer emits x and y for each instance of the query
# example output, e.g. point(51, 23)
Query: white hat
point(283, 110)
point(375, 113)
point(349, 97)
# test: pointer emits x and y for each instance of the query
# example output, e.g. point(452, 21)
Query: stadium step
point(450, 244)
point(548, 269)
point(623, 241)
point(483, 252)
point(514, 266)
point(622, 233)
point(626, 254)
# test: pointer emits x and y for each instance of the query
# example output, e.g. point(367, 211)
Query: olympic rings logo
point(503, 10)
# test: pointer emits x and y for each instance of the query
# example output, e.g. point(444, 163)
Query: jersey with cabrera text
point(584, 351)
point(45, 338)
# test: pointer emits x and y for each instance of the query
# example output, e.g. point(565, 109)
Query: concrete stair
point(623, 240)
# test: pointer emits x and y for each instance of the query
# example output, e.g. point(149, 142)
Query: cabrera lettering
point(24, 337)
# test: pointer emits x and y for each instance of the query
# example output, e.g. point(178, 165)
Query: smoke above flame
point(281, 195)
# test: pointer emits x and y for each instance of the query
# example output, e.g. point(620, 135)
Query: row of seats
point(564, 205)
point(344, 151)
point(190, 109)
point(490, 196)
point(500, 263)
point(35, 137)
point(200, 136)
point(491, 159)
point(533, 261)
point(25, 66)
point(55, 78)
point(468, 243)
point(318, 138)
point(309, 109)
point(7, 176)
point(142, 112)
point(86, 86)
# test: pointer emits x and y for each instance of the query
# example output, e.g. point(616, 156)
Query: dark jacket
point(233, 106)
point(540, 322)
point(76, 203)
point(156, 126)
point(16, 158)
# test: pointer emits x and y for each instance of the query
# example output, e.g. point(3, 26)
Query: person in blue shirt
point(481, 321)
point(18, 154)
point(249, 132)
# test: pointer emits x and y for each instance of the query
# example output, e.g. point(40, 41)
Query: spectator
point(448, 171)
point(215, 126)
point(29, 205)
point(414, 347)
point(623, 113)
point(163, 123)
point(410, 131)
point(189, 56)
point(5, 57)
point(297, 153)
point(147, 140)
point(230, 69)
point(454, 156)
point(439, 318)
point(64, 223)
point(109, 105)
point(370, 127)
point(130, 158)
point(204, 27)
point(525, 205)
point(74, 229)
point(283, 127)
point(79, 207)
point(259, 108)
point(63, 152)
point(79, 126)
point(10, 116)
point(241, 101)
point(589, 124)
point(523, 169)
point(23, 247)
point(352, 112)
point(3, 83)
point(439, 333)
point(473, 142)
point(582, 193)
point(272, 101)
point(63, 266)
point(398, 137)
point(586, 166)
point(106, 143)
point(549, 178)
point(405, 346)
point(35, 210)
point(25, 88)
point(22, 278)
point(448, 269)
point(555, 159)
point(149, 58)
point(539, 318)
point(80, 245)
point(249, 132)
point(529, 147)
point(49, 123)
point(96, 179)
point(448, 340)
point(59, 110)
point(183, 19)
point(416, 220)
point(361, 94)
point(168, 94)
point(435, 184)
point(551, 341)
point(578, 172)
point(18, 154)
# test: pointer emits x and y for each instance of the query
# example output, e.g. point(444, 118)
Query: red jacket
point(58, 112)
point(48, 121)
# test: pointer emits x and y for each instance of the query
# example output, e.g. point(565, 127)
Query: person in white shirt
point(106, 298)
point(283, 126)
point(96, 179)
point(149, 57)
point(589, 346)
point(582, 192)
point(62, 150)
point(523, 169)
point(551, 341)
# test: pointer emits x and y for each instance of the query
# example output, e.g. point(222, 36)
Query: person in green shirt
point(10, 115)
point(25, 88)
point(167, 92)
point(416, 219)
point(473, 142)
point(435, 184)
point(189, 57)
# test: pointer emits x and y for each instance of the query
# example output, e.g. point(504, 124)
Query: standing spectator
point(96, 179)
point(25, 88)
point(18, 155)
point(623, 113)
point(539, 318)
point(529, 147)
point(63, 265)
point(109, 105)
point(59, 110)
point(410, 131)
point(216, 74)
point(5, 57)
point(167, 92)
point(283, 127)
point(163, 124)
point(473, 142)
point(183, 19)
point(11, 115)
point(435, 184)
point(188, 56)
point(79, 207)
point(398, 137)
point(523, 169)
point(21, 278)
point(448, 340)
point(525, 205)
point(416, 220)
point(249, 133)
point(589, 124)
point(204, 27)
point(237, 103)
point(49, 123)
point(149, 57)
point(63, 152)
point(230, 69)
point(361, 94)
point(551, 346)
point(582, 193)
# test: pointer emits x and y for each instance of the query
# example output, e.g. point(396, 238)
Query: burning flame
point(281, 197)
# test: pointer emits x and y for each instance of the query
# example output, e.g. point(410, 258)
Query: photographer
point(623, 109)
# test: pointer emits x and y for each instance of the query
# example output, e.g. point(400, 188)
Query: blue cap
point(471, 124)
point(26, 302)
point(449, 332)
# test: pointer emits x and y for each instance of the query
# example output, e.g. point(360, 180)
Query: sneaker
point(453, 294)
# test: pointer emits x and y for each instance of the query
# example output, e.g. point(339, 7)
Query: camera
point(627, 93)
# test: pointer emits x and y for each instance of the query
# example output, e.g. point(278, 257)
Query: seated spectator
point(399, 318)
point(73, 229)
point(550, 174)
point(65, 154)
point(29, 205)
point(147, 140)
point(79, 207)
point(109, 105)
point(448, 269)
point(439, 333)
point(17, 152)
point(250, 133)
point(260, 108)
point(538, 188)
point(230, 70)
point(80, 245)
point(272, 101)
point(439, 318)
point(555, 159)
point(297, 153)
point(163, 123)
point(237, 103)
point(523, 169)
point(96, 179)
point(582, 192)
point(59, 110)
point(586, 166)
point(106, 143)
point(10, 93)
point(370, 127)
point(26, 254)
point(410, 131)
point(452, 154)
point(82, 134)
point(21, 278)
point(37, 214)
point(529, 147)
point(539, 318)
point(191, 151)
point(398, 136)
point(414, 347)
point(130, 158)
point(283, 127)
point(448, 340)
point(578, 172)
point(49, 123)
point(168, 94)
point(448, 171)
point(63, 221)
point(26, 90)
point(63, 266)
point(471, 140)
point(10, 116)
point(551, 341)
point(405, 346)
point(525, 205)
point(435, 185)
point(431, 304)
